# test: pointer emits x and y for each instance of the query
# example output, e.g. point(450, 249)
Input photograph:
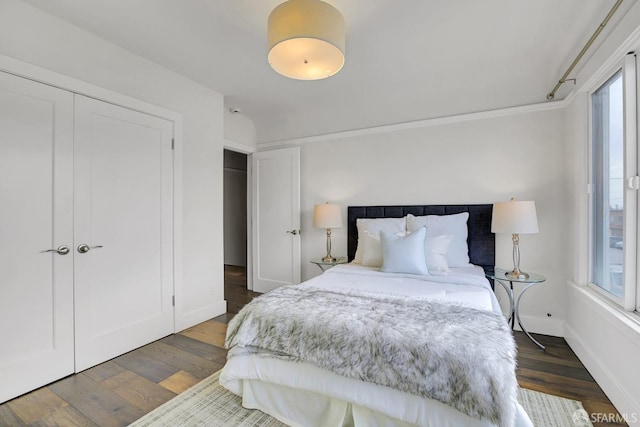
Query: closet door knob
point(61, 250)
point(84, 248)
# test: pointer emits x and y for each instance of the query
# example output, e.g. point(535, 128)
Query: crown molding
point(440, 121)
point(239, 146)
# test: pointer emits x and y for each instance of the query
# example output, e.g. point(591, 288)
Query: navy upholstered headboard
point(481, 240)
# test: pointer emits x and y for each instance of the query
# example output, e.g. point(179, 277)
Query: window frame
point(631, 161)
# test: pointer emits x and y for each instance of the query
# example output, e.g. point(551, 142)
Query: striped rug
point(209, 404)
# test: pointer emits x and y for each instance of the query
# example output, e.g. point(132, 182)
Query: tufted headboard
point(481, 241)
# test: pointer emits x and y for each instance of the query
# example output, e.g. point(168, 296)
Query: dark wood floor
point(121, 390)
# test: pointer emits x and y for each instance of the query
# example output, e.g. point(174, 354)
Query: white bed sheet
point(301, 394)
point(467, 286)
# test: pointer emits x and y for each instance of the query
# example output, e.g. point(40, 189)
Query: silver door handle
point(61, 250)
point(294, 232)
point(84, 248)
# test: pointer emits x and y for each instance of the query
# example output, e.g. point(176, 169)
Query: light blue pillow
point(404, 254)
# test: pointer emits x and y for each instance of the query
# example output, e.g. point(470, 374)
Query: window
point(614, 185)
point(608, 200)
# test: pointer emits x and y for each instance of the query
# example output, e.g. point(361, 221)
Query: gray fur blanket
point(460, 356)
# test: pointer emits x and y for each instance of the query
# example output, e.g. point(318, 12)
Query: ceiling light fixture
point(306, 39)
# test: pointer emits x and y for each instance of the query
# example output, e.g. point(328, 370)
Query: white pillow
point(371, 250)
point(438, 225)
point(404, 254)
point(373, 226)
point(435, 251)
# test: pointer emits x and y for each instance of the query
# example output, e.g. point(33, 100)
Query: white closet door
point(36, 287)
point(124, 214)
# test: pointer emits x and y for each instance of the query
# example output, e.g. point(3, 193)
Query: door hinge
point(173, 300)
point(173, 144)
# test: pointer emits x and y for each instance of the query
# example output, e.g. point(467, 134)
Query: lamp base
point(328, 257)
point(516, 274)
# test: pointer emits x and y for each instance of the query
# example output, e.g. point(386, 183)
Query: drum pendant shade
point(306, 39)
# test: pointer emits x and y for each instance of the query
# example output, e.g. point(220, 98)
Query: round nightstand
point(324, 265)
point(501, 277)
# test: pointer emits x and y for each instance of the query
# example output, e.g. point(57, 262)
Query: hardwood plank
point(557, 349)
point(197, 366)
point(103, 371)
point(224, 318)
point(235, 271)
point(539, 356)
point(67, 416)
point(139, 362)
point(35, 405)
point(210, 332)
point(530, 351)
point(100, 405)
point(179, 382)
point(197, 347)
point(138, 391)
point(9, 418)
point(551, 367)
point(558, 385)
point(235, 288)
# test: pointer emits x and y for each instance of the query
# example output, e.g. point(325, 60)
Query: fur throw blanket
point(460, 356)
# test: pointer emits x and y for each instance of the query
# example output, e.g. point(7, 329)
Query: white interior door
point(276, 218)
point(124, 216)
point(36, 287)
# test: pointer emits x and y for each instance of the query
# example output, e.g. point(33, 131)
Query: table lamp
point(515, 217)
point(327, 216)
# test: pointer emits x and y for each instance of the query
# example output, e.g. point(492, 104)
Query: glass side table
point(499, 275)
point(324, 265)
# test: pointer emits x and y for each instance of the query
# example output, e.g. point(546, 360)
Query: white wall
point(238, 128)
point(606, 339)
point(478, 161)
point(33, 36)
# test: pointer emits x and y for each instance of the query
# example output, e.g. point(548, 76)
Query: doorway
point(235, 229)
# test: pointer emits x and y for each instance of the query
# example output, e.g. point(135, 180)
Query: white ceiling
point(406, 59)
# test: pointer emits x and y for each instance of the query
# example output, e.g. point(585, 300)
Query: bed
point(370, 344)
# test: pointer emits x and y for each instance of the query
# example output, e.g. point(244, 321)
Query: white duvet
point(300, 394)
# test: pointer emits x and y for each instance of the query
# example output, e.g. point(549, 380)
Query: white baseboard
point(187, 320)
point(542, 325)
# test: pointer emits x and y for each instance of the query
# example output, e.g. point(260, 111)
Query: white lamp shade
point(514, 217)
point(327, 215)
point(306, 39)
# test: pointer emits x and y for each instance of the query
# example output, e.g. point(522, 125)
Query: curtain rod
point(563, 79)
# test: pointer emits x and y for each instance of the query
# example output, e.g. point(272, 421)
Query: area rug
point(546, 410)
point(209, 404)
